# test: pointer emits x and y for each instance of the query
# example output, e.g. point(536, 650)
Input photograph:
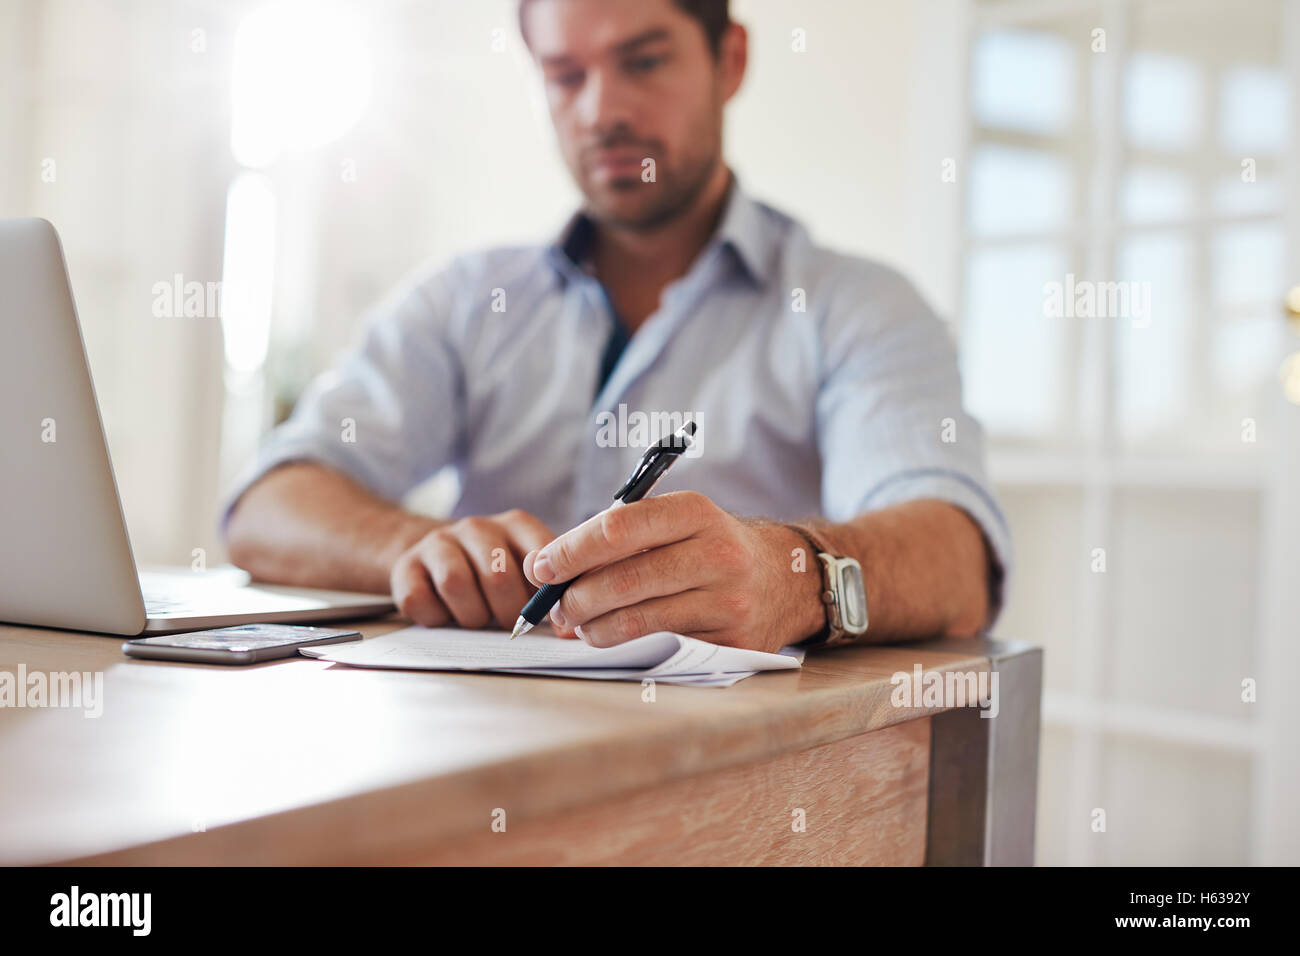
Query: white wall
point(849, 135)
point(133, 124)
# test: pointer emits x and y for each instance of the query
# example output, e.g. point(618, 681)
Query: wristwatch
point(844, 593)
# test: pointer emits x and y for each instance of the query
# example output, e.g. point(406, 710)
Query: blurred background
point(237, 182)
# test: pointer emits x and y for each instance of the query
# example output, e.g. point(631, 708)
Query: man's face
point(630, 83)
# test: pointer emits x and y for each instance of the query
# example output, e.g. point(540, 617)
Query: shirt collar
point(750, 233)
point(567, 253)
point(745, 229)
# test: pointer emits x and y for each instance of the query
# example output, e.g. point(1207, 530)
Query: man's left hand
point(677, 562)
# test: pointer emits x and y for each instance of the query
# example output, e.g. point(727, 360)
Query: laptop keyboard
point(172, 596)
point(160, 601)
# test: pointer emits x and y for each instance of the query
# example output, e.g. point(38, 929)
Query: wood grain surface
point(302, 761)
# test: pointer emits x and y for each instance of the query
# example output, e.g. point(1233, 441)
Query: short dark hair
point(713, 15)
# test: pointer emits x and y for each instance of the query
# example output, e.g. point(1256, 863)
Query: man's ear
point(733, 58)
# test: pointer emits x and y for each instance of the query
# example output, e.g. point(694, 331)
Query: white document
point(663, 656)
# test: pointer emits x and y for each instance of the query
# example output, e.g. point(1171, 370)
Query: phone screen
point(245, 637)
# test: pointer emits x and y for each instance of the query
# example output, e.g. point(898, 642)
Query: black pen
point(657, 459)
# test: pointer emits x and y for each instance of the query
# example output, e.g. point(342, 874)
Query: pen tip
point(521, 627)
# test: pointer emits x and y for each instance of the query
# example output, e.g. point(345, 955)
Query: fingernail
point(557, 616)
point(578, 630)
point(542, 568)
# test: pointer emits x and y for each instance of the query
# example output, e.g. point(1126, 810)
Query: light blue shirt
point(822, 385)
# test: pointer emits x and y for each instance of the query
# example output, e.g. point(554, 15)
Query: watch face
point(853, 597)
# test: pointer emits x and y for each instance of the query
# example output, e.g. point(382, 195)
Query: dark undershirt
point(618, 339)
point(577, 248)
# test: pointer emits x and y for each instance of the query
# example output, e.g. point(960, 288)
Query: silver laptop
point(65, 560)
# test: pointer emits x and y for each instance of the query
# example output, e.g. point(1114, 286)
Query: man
point(822, 386)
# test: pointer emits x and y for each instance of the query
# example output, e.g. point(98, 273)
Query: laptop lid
point(65, 560)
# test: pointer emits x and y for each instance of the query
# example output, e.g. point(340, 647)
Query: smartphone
point(242, 644)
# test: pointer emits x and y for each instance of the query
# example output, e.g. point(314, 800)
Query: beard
point(628, 202)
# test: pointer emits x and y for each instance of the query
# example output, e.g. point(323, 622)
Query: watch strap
point(814, 535)
point(830, 634)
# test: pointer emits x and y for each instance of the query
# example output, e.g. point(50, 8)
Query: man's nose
point(604, 102)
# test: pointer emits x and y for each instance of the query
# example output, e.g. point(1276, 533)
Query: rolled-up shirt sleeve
point(890, 420)
point(389, 414)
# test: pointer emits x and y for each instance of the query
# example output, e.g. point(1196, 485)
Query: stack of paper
point(662, 657)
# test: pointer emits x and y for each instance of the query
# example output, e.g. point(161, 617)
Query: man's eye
point(568, 80)
point(643, 64)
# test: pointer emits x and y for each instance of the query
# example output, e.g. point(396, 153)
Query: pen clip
point(673, 445)
point(648, 459)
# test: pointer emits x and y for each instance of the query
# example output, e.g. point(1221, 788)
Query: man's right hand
point(469, 572)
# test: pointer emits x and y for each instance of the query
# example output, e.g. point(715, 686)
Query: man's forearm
point(306, 524)
point(926, 569)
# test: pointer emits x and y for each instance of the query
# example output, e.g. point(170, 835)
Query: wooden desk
point(304, 762)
